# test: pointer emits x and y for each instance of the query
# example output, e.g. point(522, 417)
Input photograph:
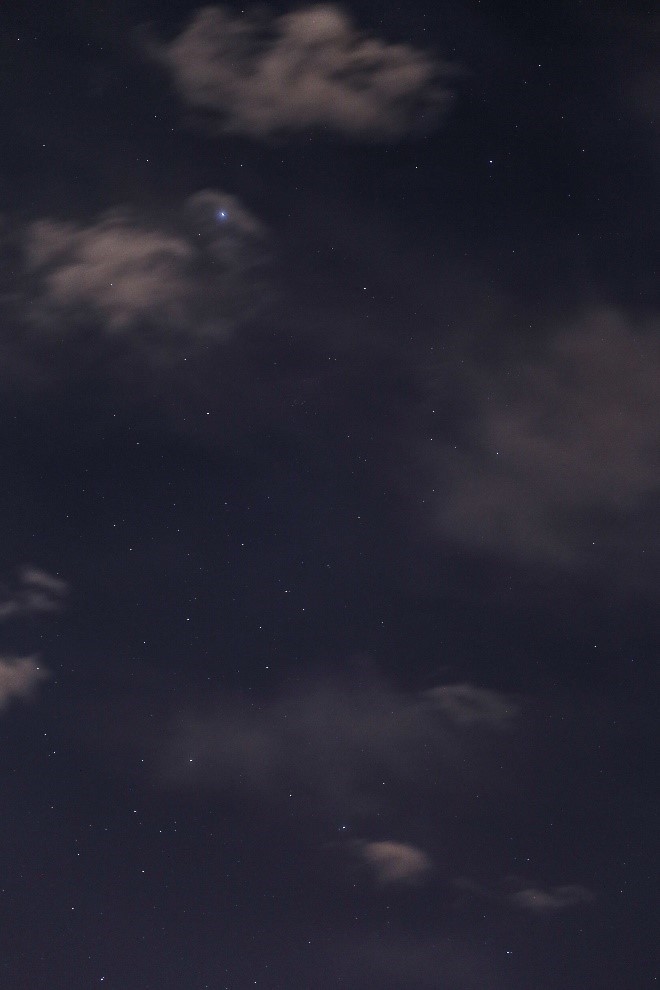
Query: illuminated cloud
point(330, 741)
point(311, 68)
point(113, 267)
point(465, 704)
point(156, 284)
point(548, 901)
point(395, 862)
point(535, 900)
point(563, 450)
point(36, 591)
point(19, 676)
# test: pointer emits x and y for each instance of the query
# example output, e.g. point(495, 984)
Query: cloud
point(564, 448)
point(36, 591)
point(465, 704)
point(331, 741)
point(159, 285)
point(114, 267)
point(535, 900)
point(310, 68)
point(19, 676)
point(548, 901)
point(395, 862)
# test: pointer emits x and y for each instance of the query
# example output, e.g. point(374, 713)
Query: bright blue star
point(221, 215)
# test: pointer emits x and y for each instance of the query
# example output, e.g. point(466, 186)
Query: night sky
point(329, 542)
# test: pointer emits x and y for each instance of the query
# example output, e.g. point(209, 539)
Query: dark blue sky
point(329, 533)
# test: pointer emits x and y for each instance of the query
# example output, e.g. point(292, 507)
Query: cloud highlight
point(309, 69)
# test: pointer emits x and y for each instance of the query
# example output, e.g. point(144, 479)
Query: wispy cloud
point(563, 450)
point(395, 862)
point(466, 704)
point(34, 591)
point(331, 740)
point(19, 676)
point(158, 284)
point(532, 899)
point(311, 68)
point(540, 901)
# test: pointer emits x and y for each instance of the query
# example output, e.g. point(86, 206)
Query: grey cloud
point(159, 285)
point(540, 901)
point(113, 267)
point(35, 591)
point(465, 704)
point(331, 740)
point(535, 900)
point(19, 676)
point(560, 443)
point(263, 75)
point(396, 862)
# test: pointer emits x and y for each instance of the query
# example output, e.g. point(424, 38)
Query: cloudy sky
point(330, 545)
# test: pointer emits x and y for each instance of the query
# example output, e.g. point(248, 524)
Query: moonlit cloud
point(465, 704)
point(159, 285)
point(395, 862)
point(311, 68)
point(564, 448)
point(332, 739)
point(35, 591)
point(19, 676)
point(540, 901)
point(532, 899)
point(113, 267)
